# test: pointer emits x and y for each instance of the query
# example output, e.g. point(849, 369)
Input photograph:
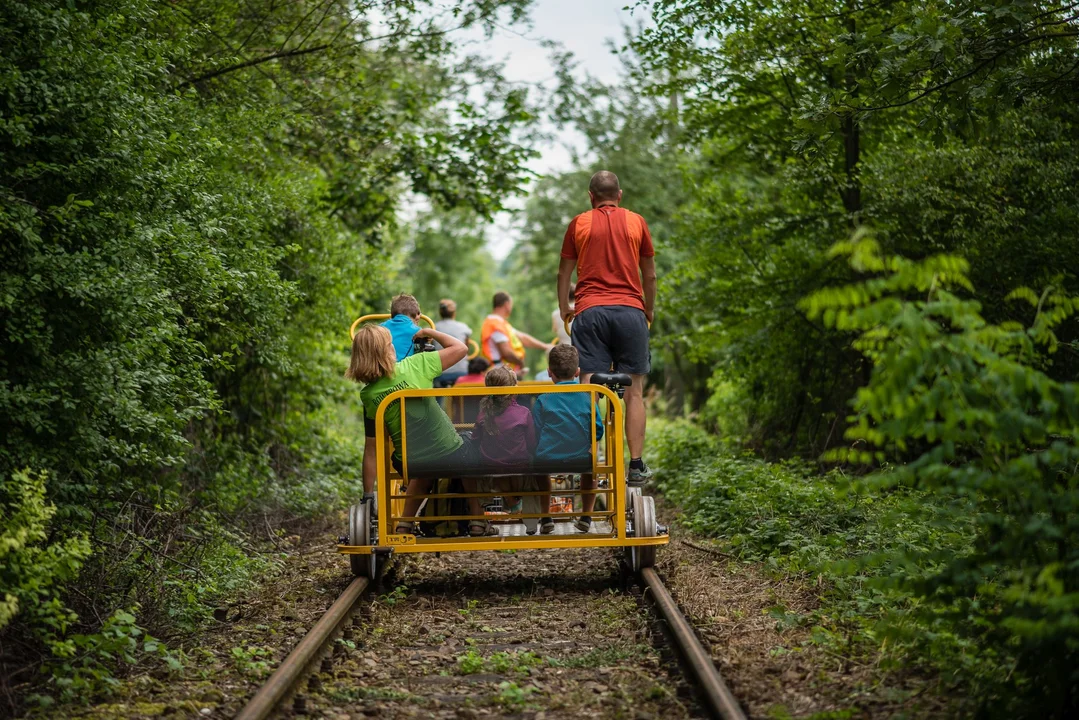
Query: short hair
point(405, 305)
point(446, 308)
point(373, 356)
point(501, 298)
point(477, 365)
point(604, 185)
point(563, 361)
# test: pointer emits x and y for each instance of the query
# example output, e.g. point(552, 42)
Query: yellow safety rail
point(611, 463)
point(381, 316)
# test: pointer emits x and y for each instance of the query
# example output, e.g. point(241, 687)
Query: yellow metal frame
point(381, 316)
point(613, 466)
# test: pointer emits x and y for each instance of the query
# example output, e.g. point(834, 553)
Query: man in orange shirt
point(611, 249)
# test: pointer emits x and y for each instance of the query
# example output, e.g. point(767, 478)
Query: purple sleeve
point(476, 429)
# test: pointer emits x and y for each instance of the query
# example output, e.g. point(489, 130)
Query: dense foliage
point(865, 222)
point(945, 127)
point(195, 200)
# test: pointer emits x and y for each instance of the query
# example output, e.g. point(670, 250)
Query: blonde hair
point(494, 405)
point(373, 356)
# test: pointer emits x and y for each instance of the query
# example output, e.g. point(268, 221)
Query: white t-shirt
point(496, 337)
point(559, 327)
point(458, 331)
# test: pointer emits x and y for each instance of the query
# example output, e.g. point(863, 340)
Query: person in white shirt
point(449, 324)
point(557, 325)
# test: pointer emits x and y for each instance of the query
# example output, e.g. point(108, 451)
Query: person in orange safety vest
point(500, 342)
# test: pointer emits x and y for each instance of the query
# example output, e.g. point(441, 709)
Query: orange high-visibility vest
point(493, 324)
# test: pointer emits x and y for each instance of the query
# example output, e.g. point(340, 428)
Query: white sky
point(581, 26)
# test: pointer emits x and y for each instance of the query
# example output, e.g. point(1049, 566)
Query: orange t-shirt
point(608, 243)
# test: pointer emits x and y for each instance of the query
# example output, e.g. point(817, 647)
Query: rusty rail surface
point(715, 693)
point(294, 667)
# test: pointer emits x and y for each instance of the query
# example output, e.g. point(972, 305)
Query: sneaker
point(583, 524)
point(637, 477)
point(546, 526)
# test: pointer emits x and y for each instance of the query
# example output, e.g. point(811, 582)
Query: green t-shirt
point(431, 435)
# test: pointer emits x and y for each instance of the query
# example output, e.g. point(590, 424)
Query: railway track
point(439, 648)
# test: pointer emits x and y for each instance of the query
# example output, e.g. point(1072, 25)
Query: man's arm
point(506, 351)
point(566, 266)
point(529, 341)
point(648, 280)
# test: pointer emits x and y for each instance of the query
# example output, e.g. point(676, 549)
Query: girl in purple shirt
point(504, 431)
point(506, 437)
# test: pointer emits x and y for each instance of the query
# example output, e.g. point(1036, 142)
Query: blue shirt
point(561, 421)
point(402, 329)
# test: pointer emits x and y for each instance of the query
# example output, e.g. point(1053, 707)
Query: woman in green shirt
point(374, 364)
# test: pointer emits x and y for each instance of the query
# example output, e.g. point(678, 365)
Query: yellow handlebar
point(474, 348)
point(381, 316)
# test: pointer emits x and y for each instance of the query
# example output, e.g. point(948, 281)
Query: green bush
point(32, 569)
point(990, 437)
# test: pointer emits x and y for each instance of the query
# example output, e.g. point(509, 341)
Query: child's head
point(562, 363)
point(478, 365)
point(373, 356)
point(494, 405)
point(405, 305)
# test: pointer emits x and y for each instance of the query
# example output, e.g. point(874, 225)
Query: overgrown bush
point(991, 437)
point(186, 229)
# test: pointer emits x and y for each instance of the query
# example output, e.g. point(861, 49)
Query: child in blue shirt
point(563, 435)
point(404, 312)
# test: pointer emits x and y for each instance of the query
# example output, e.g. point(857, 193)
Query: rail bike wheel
point(644, 525)
point(359, 533)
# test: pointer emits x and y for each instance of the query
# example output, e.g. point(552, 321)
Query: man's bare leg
point(635, 415)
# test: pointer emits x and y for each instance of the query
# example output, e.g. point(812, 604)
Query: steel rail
point(715, 693)
point(292, 670)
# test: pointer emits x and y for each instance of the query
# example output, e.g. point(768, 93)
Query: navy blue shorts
point(612, 336)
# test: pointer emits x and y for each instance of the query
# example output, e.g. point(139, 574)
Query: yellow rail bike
point(627, 518)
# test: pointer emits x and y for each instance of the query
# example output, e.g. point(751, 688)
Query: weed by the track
point(513, 697)
point(398, 594)
point(473, 662)
point(252, 660)
point(602, 657)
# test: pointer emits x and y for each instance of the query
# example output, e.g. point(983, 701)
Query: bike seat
point(611, 380)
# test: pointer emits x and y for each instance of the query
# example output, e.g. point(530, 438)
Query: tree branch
point(251, 63)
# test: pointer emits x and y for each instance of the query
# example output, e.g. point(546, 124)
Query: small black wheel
point(644, 525)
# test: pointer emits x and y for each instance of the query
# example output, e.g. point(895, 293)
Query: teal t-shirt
point(431, 434)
